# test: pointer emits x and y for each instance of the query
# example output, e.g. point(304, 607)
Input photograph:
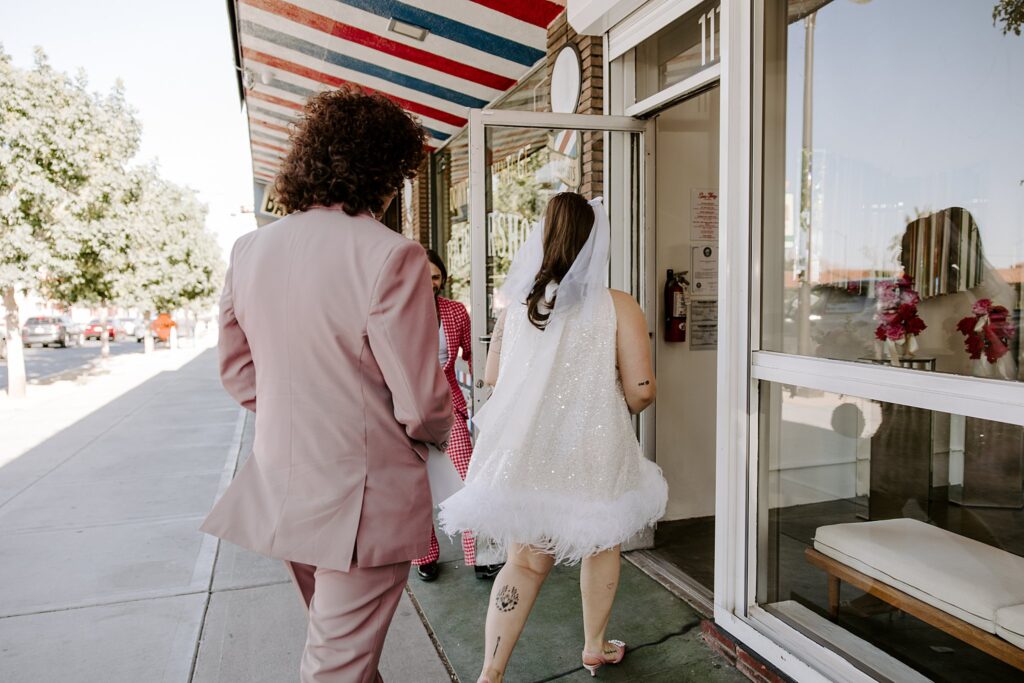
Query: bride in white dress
point(557, 475)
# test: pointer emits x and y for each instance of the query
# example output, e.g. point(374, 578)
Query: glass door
point(518, 160)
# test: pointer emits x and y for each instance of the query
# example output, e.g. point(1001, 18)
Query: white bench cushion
point(1010, 624)
point(963, 577)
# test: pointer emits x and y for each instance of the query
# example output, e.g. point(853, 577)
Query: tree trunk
point(172, 338)
point(104, 334)
point(15, 347)
point(147, 344)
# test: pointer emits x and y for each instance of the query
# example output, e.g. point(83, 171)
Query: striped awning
point(471, 53)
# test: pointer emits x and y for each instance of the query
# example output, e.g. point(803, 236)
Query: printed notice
point(704, 324)
point(704, 271)
point(703, 215)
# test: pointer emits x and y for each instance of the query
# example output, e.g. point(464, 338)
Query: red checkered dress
point(455, 320)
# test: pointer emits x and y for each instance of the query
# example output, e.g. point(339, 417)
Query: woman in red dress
point(453, 335)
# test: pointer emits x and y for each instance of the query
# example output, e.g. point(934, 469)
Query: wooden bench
point(944, 580)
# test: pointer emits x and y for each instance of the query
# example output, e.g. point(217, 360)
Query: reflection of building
point(762, 446)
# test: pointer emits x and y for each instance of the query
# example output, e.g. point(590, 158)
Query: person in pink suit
point(328, 333)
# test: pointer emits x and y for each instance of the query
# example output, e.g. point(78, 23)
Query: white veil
point(587, 275)
point(528, 354)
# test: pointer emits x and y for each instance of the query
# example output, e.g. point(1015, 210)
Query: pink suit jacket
point(329, 334)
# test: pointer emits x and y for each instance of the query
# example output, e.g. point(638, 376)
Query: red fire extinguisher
point(675, 306)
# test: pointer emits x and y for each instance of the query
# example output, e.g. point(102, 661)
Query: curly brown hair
point(351, 148)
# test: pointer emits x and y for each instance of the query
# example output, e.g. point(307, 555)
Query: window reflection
point(901, 160)
point(828, 459)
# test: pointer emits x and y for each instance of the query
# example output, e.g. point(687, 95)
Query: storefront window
point(527, 167)
point(894, 195)
point(532, 93)
point(451, 213)
point(682, 49)
point(892, 209)
point(924, 502)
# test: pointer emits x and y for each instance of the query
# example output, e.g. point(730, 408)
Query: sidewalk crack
point(686, 628)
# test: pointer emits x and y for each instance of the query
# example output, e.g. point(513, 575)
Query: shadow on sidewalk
point(661, 631)
point(99, 547)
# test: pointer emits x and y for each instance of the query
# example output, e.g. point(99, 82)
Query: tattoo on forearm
point(507, 598)
point(645, 383)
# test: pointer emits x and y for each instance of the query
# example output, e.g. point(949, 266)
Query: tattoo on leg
point(495, 653)
point(644, 383)
point(507, 598)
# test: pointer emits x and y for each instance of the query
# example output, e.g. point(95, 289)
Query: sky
point(917, 107)
point(175, 59)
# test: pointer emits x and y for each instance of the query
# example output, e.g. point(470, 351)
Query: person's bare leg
point(599, 580)
point(512, 597)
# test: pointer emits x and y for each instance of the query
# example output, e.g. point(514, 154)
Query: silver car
point(50, 331)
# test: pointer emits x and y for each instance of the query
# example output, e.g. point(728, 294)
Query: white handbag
point(444, 478)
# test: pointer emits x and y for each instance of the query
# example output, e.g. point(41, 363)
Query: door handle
point(479, 384)
point(485, 339)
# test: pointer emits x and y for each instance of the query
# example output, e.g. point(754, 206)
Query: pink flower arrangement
point(988, 331)
point(897, 311)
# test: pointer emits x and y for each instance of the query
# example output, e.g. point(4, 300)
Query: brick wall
point(738, 656)
point(590, 49)
point(419, 223)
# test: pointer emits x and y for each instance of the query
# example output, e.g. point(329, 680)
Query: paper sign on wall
point(704, 271)
point(704, 324)
point(703, 215)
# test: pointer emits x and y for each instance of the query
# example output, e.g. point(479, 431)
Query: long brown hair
point(567, 225)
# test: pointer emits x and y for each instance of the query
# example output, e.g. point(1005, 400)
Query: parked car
point(50, 330)
point(127, 326)
point(139, 330)
point(94, 330)
point(3, 344)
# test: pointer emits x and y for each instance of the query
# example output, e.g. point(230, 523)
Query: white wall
point(686, 158)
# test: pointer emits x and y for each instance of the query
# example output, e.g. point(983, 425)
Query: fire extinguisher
point(675, 306)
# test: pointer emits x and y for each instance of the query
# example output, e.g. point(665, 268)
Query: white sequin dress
point(565, 475)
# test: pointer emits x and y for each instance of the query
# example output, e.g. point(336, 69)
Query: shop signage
point(703, 215)
point(704, 271)
point(270, 205)
point(566, 76)
point(704, 324)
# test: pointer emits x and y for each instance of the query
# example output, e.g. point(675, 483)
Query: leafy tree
point(58, 162)
point(173, 261)
point(75, 223)
point(1011, 13)
point(87, 261)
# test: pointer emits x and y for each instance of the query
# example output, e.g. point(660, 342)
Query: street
point(43, 364)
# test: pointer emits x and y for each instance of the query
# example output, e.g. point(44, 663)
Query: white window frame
point(743, 365)
point(653, 16)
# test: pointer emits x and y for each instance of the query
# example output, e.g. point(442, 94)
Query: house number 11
point(707, 36)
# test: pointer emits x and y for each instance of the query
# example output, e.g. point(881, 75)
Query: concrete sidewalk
point(104, 576)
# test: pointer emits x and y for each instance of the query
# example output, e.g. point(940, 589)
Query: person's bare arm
point(494, 352)
point(633, 352)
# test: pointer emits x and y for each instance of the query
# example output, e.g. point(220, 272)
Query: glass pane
point(894, 189)
point(685, 47)
point(926, 499)
point(533, 93)
point(527, 166)
point(451, 201)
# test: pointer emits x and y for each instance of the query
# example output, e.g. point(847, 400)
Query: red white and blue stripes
point(474, 51)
